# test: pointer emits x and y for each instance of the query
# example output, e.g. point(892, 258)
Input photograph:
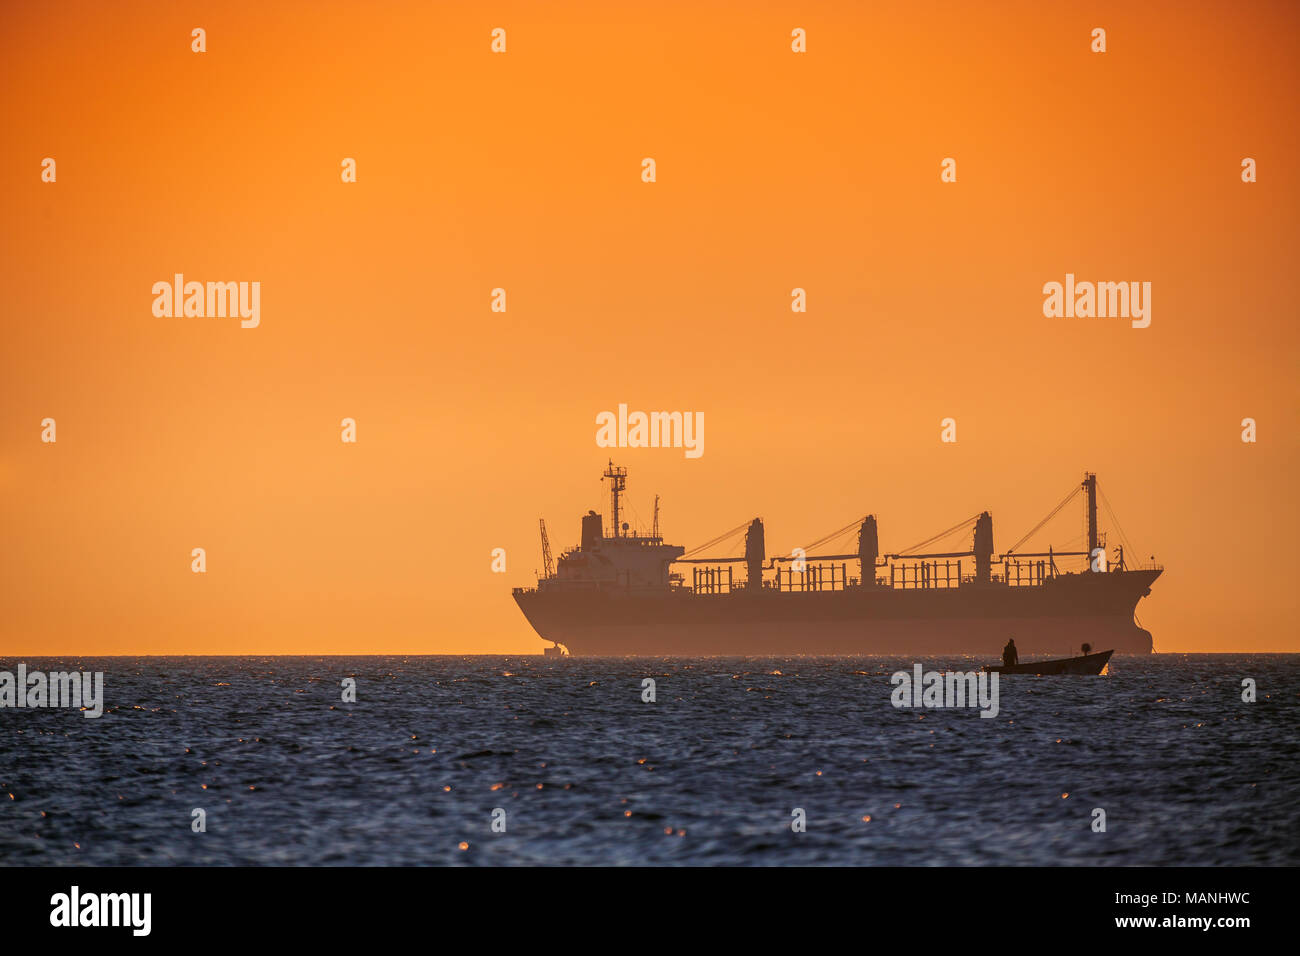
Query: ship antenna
point(618, 483)
point(654, 531)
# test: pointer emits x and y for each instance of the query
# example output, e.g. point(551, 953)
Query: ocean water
point(709, 773)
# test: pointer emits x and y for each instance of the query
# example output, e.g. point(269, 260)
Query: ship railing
point(925, 575)
point(632, 537)
point(814, 577)
point(706, 579)
point(1026, 574)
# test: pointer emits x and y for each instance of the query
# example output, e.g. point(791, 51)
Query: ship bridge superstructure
point(624, 558)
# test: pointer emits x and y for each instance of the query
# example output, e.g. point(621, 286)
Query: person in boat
point(1087, 649)
point(1009, 655)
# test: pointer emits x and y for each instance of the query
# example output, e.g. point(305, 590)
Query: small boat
point(554, 651)
point(1083, 664)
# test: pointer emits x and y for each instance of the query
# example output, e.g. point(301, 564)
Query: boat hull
point(1052, 618)
point(1087, 664)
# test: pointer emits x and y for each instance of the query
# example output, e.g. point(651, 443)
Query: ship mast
point(1090, 486)
point(618, 484)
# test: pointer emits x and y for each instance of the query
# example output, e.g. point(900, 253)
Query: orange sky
point(522, 171)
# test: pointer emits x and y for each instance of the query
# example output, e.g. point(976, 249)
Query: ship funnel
point(983, 547)
point(591, 530)
point(868, 550)
point(755, 554)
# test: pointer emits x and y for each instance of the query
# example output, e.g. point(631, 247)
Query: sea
point(1170, 759)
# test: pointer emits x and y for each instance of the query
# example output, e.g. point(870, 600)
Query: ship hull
point(1053, 618)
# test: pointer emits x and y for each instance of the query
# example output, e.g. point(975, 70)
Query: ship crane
point(548, 568)
point(752, 558)
point(1095, 538)
point(867, 555)
point(712, 543)
point(1089, 482)
point(856, 524)
point(810, 566)
point(913, 552)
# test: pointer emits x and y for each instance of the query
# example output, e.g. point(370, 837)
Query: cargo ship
point(626, 593)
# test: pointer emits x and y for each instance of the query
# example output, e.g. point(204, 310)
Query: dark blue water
point(587, 773)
